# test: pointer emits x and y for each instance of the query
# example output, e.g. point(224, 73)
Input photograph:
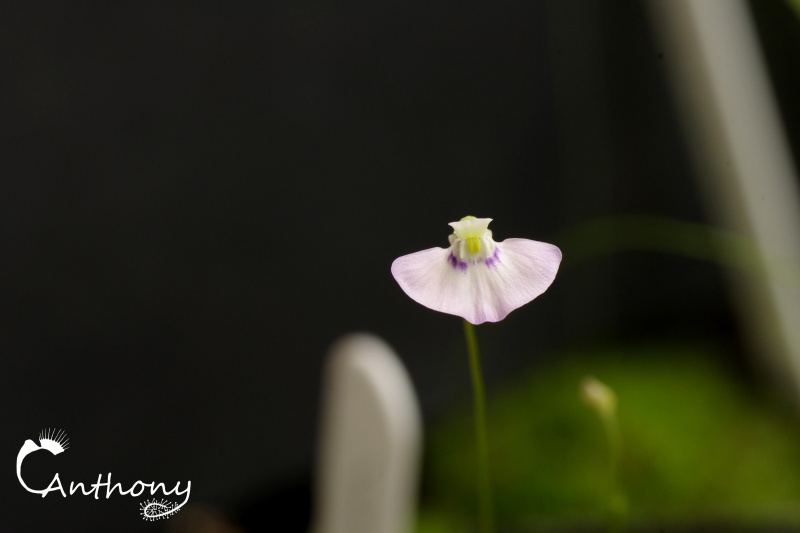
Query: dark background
point(196, 199)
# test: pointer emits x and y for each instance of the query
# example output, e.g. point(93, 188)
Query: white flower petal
point(485, 291)
point(524, 270)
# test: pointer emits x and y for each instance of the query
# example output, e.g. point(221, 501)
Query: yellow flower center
point(473, 245)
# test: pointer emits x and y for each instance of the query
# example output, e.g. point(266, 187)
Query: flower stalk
point(601, 399)
point(485, 507)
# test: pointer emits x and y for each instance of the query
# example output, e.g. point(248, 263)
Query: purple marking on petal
point(455, 263)
point(490, 261)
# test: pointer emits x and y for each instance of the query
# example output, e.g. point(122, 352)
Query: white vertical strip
point(743, 158)
point(370, 444)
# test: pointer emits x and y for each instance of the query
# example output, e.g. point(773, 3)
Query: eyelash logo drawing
point(55, 441)
point(155, 510)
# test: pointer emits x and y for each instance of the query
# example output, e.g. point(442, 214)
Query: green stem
point(486, 520)
point(618, 504)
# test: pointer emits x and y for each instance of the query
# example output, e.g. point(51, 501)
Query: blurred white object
point(742, 155)
point(368, 463)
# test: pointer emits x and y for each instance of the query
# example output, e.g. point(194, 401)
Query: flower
point(477, 278)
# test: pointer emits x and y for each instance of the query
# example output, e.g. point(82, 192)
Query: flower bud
point(598, 396)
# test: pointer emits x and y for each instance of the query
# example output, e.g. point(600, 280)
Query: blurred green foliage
point(617, 233)
point(796, 5)
point(700, 446)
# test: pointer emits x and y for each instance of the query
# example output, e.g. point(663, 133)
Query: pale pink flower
point(477, 278)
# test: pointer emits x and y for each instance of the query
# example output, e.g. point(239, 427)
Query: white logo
point(55, 441)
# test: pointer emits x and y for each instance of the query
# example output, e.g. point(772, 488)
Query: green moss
point(698, 446)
